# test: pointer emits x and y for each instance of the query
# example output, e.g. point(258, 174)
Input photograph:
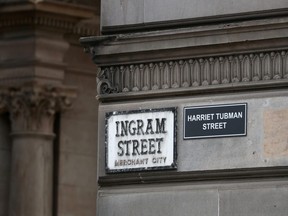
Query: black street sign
point(215, 121)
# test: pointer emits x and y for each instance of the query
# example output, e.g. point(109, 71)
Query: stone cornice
point(32, 107)
point(194, 75)
point(50, 15)
point(224, 38)
point(212, 58)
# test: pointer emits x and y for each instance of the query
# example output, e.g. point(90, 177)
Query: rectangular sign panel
point(215, 121)
point(141, 140)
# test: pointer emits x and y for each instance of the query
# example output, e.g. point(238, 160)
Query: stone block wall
point(160, 54)
point(119, 15)
point(77, 183)
point(46, 170)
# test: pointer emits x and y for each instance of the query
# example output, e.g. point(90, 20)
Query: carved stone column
point(32, 110)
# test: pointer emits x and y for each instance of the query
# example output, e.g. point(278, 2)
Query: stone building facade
point(48, 119)
point(192, 55)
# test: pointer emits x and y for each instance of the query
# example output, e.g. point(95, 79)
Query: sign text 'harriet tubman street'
point(140, 140)
point(215, 121)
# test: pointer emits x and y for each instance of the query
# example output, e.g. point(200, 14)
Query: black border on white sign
point(211, 106)
point(171, 167)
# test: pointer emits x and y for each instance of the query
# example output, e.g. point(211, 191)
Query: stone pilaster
point(32, 110)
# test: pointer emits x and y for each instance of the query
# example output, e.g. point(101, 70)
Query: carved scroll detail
point(194, 72)
point(105, 80)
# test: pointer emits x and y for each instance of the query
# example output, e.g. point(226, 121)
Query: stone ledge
point(224, 38)
point(195, 176)
point(201, 90)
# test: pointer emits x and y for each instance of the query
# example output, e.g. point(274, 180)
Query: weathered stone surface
point(35, 38)
point(168, 203)
point(77, 170)
point(5, 164)
point(275, 132)
point(225, 198)
point(32, 109)
point(31, 175)
point(164, 10)
point(122, 12)
point(214, 153)
point(254, 201)
point(77, 181)
point(125, 12)
point(234, 60)
point(4, 194)
point(74, 201)
point(33, 61)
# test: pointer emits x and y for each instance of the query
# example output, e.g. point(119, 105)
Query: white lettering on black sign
point(138, 140)
point(215, 121)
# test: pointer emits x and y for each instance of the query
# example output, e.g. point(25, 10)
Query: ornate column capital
point(32, 107)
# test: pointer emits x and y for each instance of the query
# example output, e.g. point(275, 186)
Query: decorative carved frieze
point(194, 72)
point(32, 108)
